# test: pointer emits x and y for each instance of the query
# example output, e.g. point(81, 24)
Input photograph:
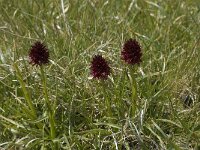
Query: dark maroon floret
point(99, 67)
point(39, 54)
point(131, 52)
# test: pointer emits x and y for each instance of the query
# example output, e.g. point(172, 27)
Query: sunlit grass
point(168, 78)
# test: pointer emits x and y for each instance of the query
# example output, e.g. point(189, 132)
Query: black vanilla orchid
point(131, 52)
point(99, 67)
point(39, 54)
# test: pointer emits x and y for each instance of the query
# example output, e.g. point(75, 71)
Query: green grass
point(74, 31)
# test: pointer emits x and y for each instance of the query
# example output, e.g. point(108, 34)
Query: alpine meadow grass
point(100, 74)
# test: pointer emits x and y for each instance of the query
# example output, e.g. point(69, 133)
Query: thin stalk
point(107, 101)
point(47, 101)
point(119, 91)
point(133, 91)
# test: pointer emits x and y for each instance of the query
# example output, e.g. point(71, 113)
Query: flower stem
point(47, 101)
point(107, 101)
point(133, 91)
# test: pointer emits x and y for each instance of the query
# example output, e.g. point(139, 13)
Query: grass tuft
point(61, 107)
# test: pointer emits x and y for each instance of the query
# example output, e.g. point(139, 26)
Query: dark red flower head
point(131, 52)
point(39, 54)
point(99, 67)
